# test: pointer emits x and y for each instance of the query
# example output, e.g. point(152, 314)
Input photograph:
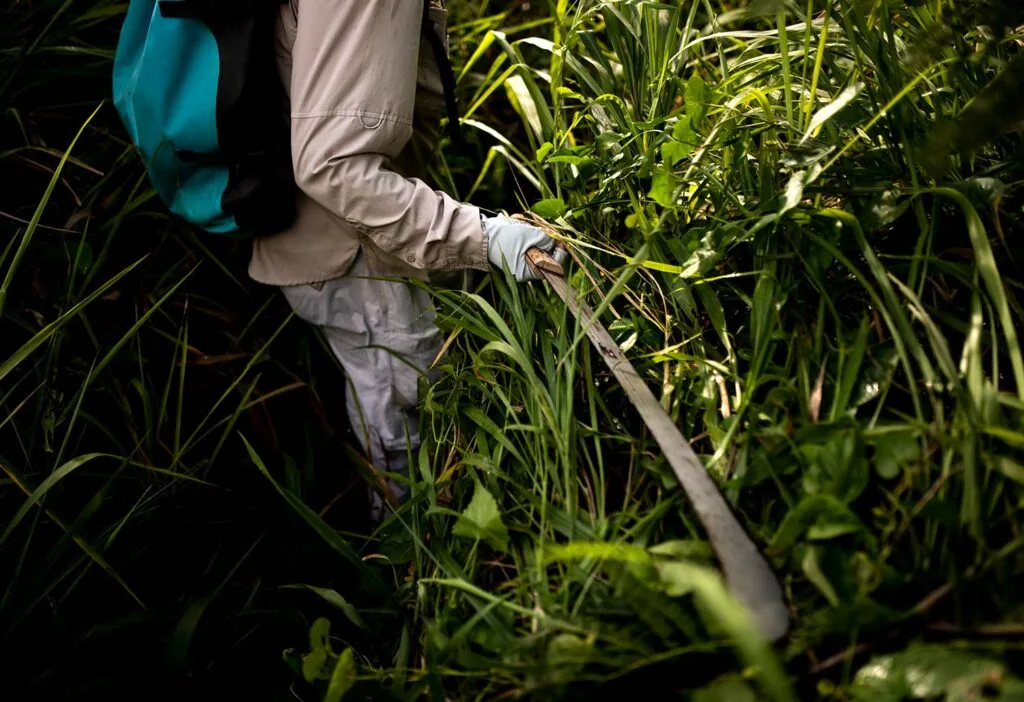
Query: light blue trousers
point(383, 334)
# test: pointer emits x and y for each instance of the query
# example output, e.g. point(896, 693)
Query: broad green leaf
point(343, 677)
point(839, 467)
point(697, 95)
point(884, 209)
point(684, 134)
point(663, 188)
point(794, 192)
point(672, 152)
point(893, 451)
point(319, 634)
point(551, 208)
point(986, 191)
point(481, 520)
point(313, 664)
point(933, 672)
point(319, 650)
point(816, 509)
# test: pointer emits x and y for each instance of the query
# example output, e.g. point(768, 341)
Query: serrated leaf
point(481, 520)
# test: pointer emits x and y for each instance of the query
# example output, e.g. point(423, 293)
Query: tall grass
point(786, 214)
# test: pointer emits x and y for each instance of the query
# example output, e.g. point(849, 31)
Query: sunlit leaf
point(935, 672)
point(672, 152)
point(833, 108)
point(697, 96)
point(343, 677)
point(663, 188)
point(552, 208)
point(481, 520)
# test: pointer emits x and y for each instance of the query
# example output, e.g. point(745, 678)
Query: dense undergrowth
point(798, 219)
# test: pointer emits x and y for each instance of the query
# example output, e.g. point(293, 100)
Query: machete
point(747, 572)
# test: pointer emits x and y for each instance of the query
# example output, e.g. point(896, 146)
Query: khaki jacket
point(366, 98)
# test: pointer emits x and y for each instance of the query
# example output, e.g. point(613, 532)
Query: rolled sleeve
point(353, 91)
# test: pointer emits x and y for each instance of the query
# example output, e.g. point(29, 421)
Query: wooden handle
point(544, 262)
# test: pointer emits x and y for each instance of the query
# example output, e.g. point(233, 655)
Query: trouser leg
point(383, 334)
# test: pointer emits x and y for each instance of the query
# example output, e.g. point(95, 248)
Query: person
point(366, 98)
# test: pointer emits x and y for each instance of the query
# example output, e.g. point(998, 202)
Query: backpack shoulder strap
point(444, 64)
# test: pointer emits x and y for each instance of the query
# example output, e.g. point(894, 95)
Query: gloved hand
point(509, 240)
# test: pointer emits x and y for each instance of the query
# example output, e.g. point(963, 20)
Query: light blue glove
point(509, 240)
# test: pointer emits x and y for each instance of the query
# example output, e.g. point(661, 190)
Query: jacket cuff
point(468, 239)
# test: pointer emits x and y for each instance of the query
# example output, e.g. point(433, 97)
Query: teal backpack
point(196, 86)
point(195, 83)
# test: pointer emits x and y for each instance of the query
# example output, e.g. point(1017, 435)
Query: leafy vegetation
point(798, 219)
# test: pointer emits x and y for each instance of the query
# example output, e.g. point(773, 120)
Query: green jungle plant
point(799, 219)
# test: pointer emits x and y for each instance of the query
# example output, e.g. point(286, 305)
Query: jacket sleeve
point(353, 92)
